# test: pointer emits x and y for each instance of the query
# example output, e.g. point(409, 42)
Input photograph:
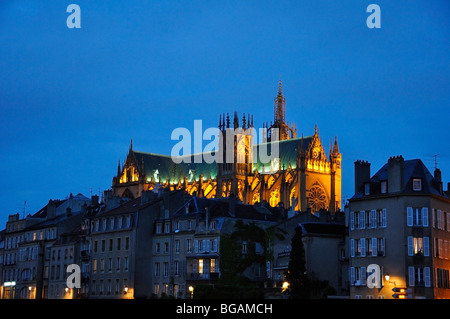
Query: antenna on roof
point(24, 209)
point(435, 160)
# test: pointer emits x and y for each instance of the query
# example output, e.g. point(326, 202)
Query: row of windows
point(375, 218)
point(109, 287)
point(164, 289)
point(182, 225)
point(14, 241)
point(56, 272)
point(440, 219)
point(199, 266)
point(416, 186)
point(417, 276)
point(111, 223)
point(103, 264)
point(17, 274)
point(204, 245)
point(366, 247)
point(56, 253)
point(111, 245)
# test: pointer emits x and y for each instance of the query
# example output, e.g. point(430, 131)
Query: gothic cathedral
point(300, 177)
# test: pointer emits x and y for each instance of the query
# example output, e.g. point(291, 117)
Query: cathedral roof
point(161, 168)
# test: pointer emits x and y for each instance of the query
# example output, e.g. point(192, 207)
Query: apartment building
point(117, 251)
point(186, 244)
point(399, 232)
point(27, 247)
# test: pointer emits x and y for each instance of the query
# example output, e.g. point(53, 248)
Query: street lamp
point(387, 277)
point(191, 290)
point(285, 286)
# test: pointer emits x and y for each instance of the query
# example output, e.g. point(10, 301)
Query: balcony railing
point(204, 276)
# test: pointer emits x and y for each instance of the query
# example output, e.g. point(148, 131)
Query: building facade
point(326, 257)
point(399, 232)
point(301, 175)
point(186, 244)
point(28, 241)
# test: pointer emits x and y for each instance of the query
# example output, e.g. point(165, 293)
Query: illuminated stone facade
point(302, 176)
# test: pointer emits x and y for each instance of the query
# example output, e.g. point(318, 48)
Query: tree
point(297, 278)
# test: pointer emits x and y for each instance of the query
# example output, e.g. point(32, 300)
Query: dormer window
point(417, 184)
point(367, 189)
point(383, 187)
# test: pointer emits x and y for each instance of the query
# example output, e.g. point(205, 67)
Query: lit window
point(417, 184)
point(200, 266)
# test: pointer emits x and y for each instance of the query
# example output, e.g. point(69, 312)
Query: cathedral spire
point(335, 147)
point(280, 106)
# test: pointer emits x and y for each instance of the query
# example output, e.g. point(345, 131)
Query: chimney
point(362, 174)
point(396, 167)
point(438, 180)
point(94, 200)
point(51, 209)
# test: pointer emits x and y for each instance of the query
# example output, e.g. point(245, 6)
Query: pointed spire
point(220, 121)
point(131, 145)
point(243, 122)
point(315, 130)
point(236, 120)
point(228, 120)
point(279, 109)
point(335, 147)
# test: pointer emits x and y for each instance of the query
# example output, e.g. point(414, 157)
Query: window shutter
point(409, 216)
point(363, 247)
point(352, 276)
point(425, 216)
point(196, 246)
point(384, 217)
point(410, 246)
point(363, 276)
point(411, 276)
point(426, 276)
point(374, 246)
point(433, 218)
point(426, 246)
point(352, 220)
point(352, 248)
point(440, 246)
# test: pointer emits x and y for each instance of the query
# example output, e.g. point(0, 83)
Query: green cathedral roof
point(161, 168)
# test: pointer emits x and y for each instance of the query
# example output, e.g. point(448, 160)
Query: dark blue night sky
point(72, 99)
